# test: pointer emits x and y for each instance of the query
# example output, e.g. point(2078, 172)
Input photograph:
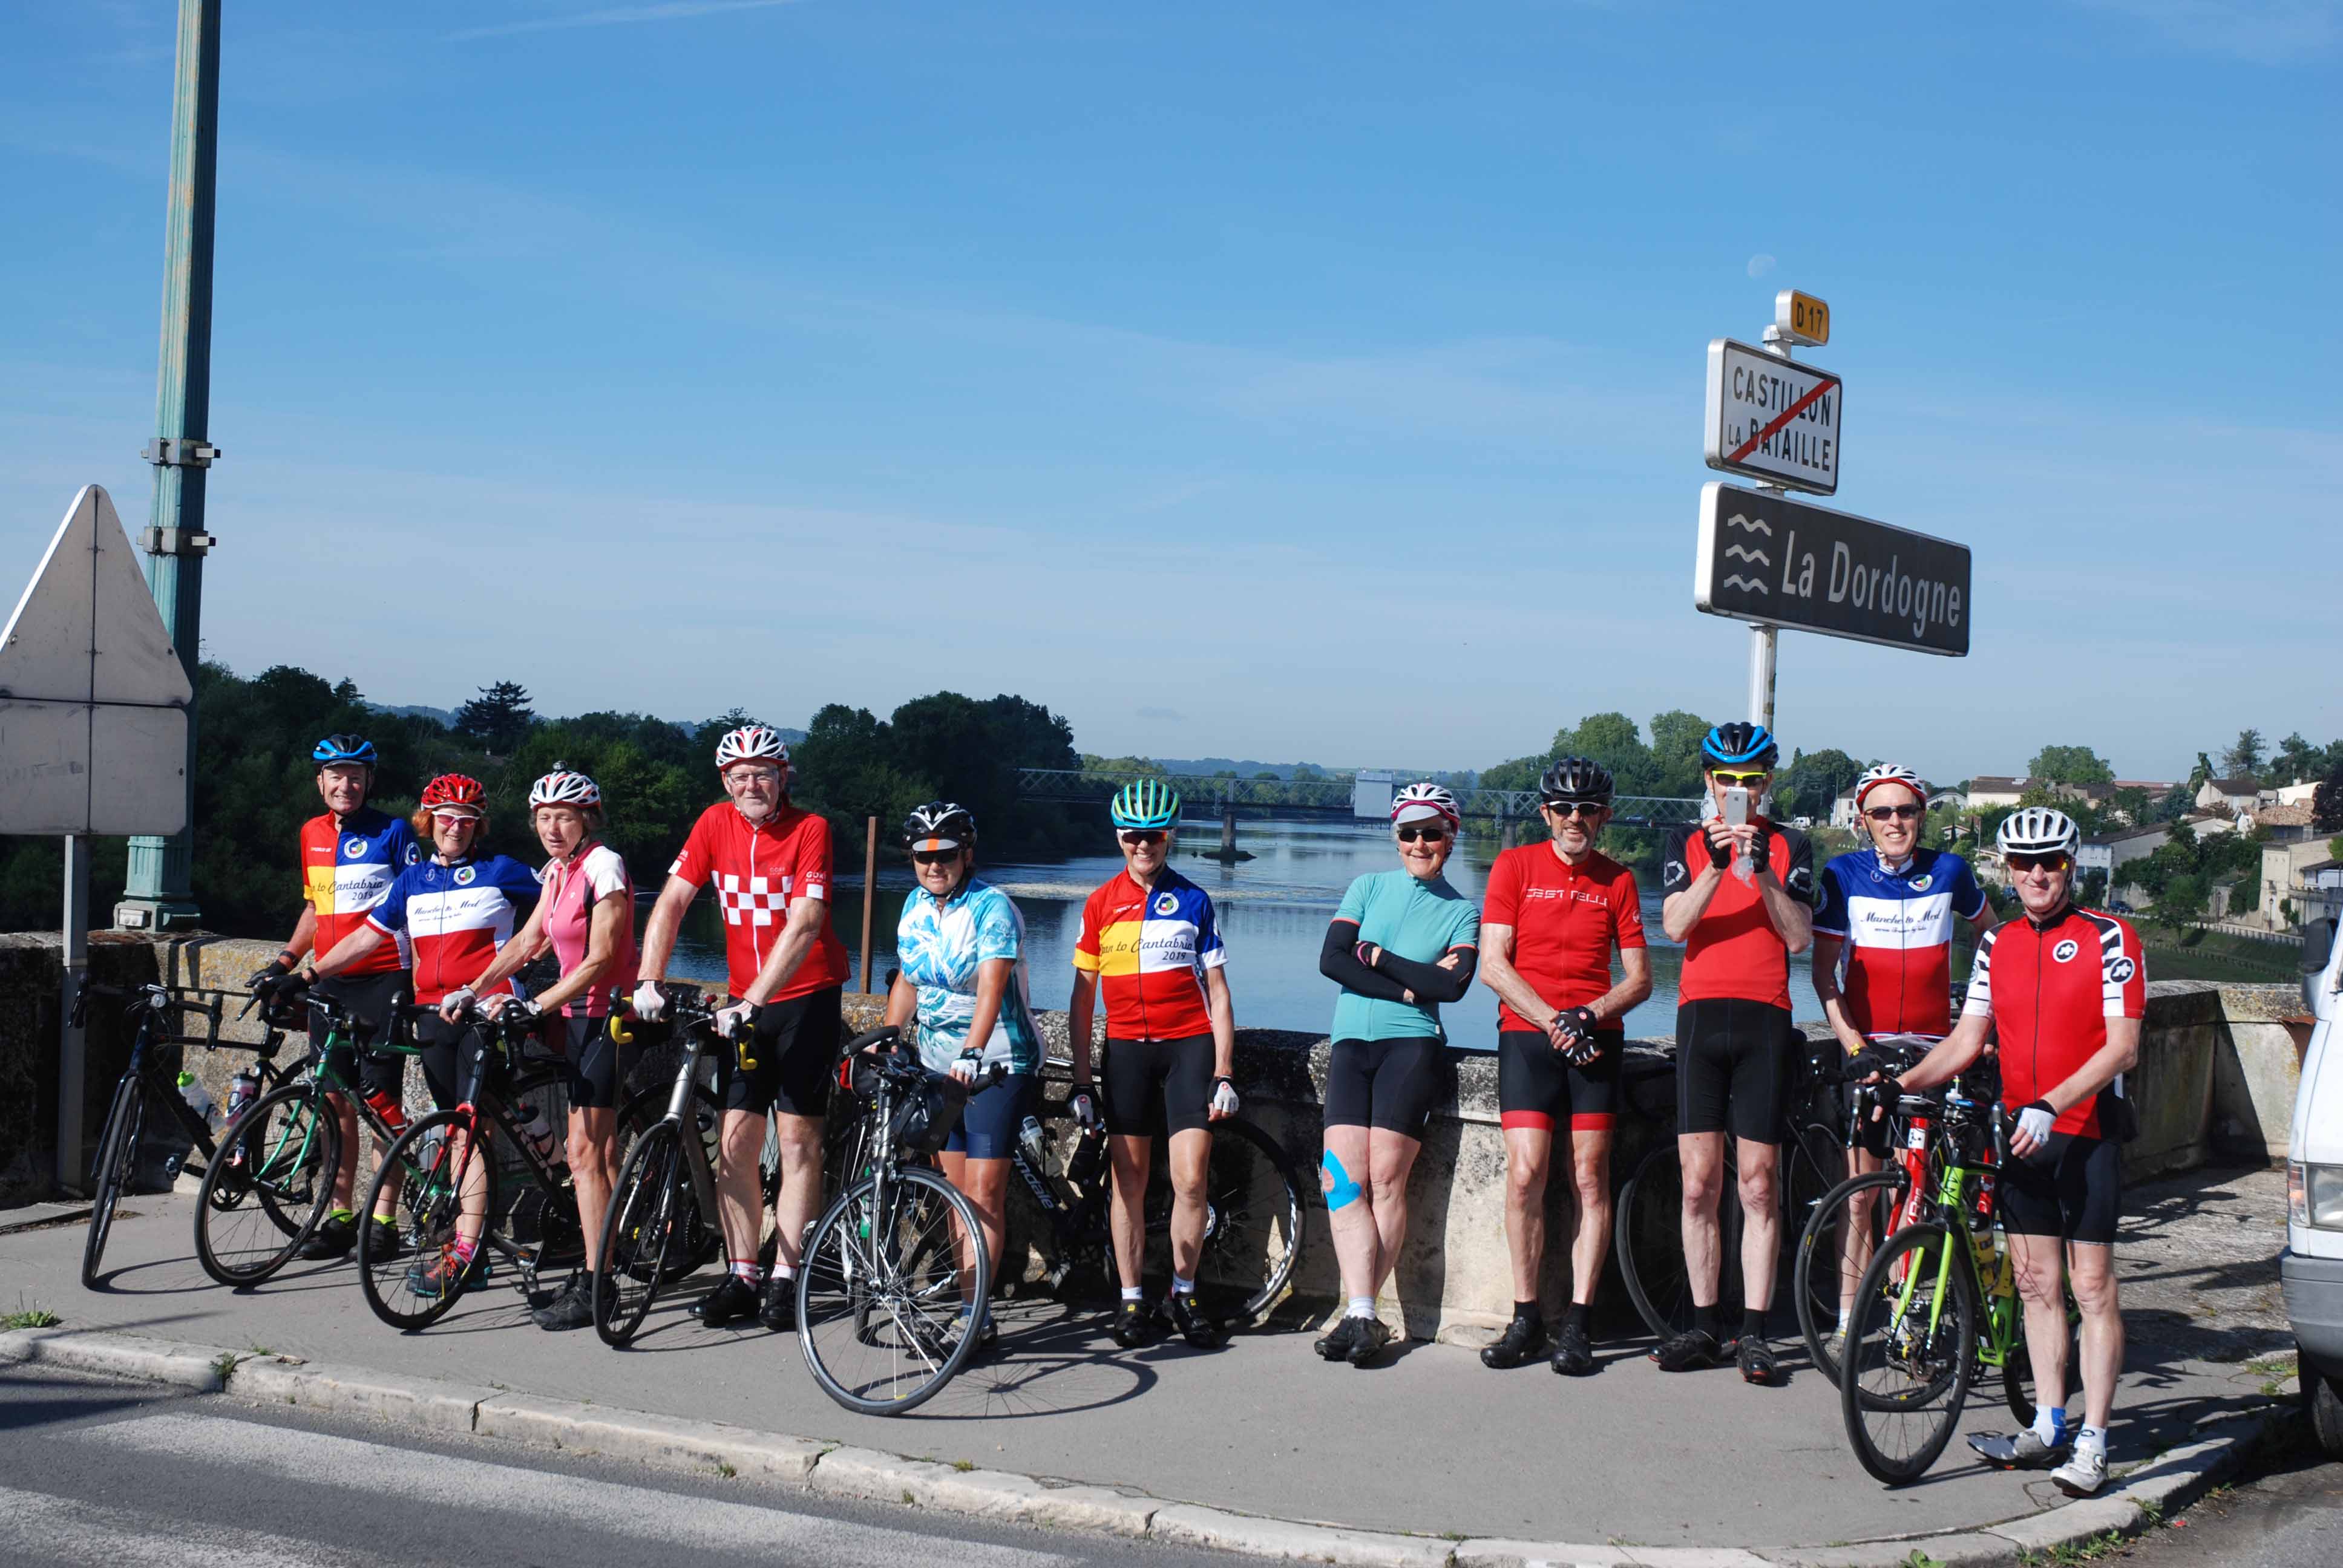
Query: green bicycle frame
point(2002, 1327)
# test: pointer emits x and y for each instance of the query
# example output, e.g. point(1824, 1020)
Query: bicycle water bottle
point(1034, 1142)
point(241, 1092)
point(538, 1131)
point(199, 1101)
point(388, 1106)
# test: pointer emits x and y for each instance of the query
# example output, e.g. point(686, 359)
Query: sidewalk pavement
point(1431, 1444)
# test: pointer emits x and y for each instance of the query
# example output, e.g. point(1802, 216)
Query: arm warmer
point(1430, 982)
point(1338, 963)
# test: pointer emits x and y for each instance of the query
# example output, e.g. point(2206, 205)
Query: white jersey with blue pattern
point(938, 945)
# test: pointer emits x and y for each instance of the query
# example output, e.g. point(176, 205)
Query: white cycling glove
point(1084, 1107)
point(2036, 1120)
point(1224, 1097)
point(733, 1022)
point(649, 1002)
point(456, 1000)
point(965, 1065)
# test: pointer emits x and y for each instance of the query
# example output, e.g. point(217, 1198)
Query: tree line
point(255, 784)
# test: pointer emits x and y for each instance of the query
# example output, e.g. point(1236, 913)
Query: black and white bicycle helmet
point(938, 825)
point(1576, 780)
point(2038, 831)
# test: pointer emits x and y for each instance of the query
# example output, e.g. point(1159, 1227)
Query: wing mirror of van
point(2317, 947)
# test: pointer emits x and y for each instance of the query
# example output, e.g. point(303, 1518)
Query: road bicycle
point(1648, 1236)
point(1255, 1222)
point(493, 1165)
point(888, 1300)
point(259, 1205)
point(1836, 1240)
point(1936, 1307)
point(663, 1221)
point(147, 1088)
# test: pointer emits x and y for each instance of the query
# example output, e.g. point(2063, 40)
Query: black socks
point(1704, 1319)
point(1753, 1325)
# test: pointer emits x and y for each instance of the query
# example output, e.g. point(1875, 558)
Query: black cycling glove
point(1720, 853)
point(1761, 849)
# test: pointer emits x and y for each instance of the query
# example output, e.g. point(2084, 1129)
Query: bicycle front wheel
point(1253, 1225)
point(650, 1233)
point(1911, 1353)
point(1859, 1211)
point(880, 1302)
point(117, 1158)
point(269, 1186)
point(407, 1268)
point(1648, 1239)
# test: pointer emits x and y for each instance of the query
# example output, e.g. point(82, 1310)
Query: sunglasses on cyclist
point(1745, 779)
point(1429, 834)
point(1137, 835)
point(935, 857)
point(2027, 862)
point(1885, 813)
point(1587, 810)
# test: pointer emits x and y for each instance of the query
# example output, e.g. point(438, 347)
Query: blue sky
point(1287, 381)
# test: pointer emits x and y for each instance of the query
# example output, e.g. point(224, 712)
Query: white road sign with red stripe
point(1772, 418)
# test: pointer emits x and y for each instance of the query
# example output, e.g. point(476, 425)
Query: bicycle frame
point(2001, 1324)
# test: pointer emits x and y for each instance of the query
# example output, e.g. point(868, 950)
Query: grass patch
point(31, 1318)
point(726, 1471)
point(1919, 1559)
point(2105, 1543)
point(964, 1465)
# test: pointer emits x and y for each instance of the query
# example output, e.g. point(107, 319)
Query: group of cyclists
point(397, 908)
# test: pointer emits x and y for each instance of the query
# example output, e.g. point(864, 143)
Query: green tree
point(1813, 781)
point(2298, 761)
point(2070, 765)
point(499, 718)
point(2183, 900)
point(2327, 801)
point(2244, 757)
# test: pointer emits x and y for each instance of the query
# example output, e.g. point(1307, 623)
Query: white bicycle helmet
point(563, 788)
point(1880, 773)
point(1417, 801)
point(751, 743)
point(2038, 831)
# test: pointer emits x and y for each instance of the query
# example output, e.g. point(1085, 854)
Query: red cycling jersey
point(1734, 951)
point(1566, 919)
point(2050, 989)
point(759, 870)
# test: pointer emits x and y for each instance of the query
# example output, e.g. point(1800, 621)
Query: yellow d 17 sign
point(1801, 317)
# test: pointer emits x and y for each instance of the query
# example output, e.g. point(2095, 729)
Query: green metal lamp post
point(160, 893)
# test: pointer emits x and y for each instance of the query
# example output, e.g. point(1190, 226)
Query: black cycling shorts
point(2072, 1189)
point(451, 1058)
point(1736, 1060)
point(1393, 1084)
point(989, 1122)
point(369, 1000)
point(589, 1061)
point(796, 1051)
point(1537, 1088)
point(1156, 1087)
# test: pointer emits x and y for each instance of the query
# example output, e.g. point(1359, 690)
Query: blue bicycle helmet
point(1740, 745)
point(1145, 803)
point(344, 748)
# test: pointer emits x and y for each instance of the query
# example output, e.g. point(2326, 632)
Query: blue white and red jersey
point(1898, 923)
point(457, 917)
point(1149, 947)
point(347, 864)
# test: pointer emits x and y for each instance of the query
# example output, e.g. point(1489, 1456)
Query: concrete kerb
point(2144, 1496)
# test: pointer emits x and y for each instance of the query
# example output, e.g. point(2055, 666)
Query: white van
point(2311, 1268)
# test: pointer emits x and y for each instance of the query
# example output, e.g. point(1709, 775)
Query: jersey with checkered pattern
point(759, 872)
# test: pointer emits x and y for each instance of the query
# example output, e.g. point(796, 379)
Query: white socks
point(1361, 1307)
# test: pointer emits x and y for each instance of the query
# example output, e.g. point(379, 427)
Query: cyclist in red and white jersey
point(586, 915)
point(2065, 991)
point(1551, 918)
point(769, 864)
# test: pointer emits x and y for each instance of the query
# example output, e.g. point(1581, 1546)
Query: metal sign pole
point(1765, 641)
point(72, 1043)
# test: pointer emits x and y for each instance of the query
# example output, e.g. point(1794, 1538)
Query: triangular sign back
point(86, 630)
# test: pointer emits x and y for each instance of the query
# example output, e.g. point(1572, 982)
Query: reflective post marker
point(72, 1041)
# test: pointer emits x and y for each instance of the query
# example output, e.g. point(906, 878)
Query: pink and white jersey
point(572, 889)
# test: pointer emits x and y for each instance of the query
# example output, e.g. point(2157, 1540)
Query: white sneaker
point(2021, 1450)
point(2085, 1471)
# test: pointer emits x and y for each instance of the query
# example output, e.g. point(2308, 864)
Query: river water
point(1274, 911)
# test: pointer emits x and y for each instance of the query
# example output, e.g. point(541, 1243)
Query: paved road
point(2287, 1514)
point(124, 1476)
point(1261, 1426)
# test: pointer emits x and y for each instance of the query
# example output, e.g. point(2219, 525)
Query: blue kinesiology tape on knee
point(1340, 1192)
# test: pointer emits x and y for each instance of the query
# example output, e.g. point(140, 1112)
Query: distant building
point(2237, 794)
point(2298, 794)
point(2284, 824)
point(1992, 793)
point(2302, 876)
point(2109, 853)
point(1843, 812)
